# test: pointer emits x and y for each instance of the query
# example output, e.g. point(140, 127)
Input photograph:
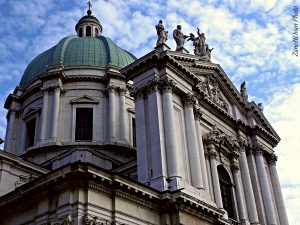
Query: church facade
point(97, 136)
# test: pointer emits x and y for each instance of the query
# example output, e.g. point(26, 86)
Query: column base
point(255, 223)
point(159, 183)
point(175, 183)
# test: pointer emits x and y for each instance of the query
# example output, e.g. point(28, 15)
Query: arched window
point(88, 31)
point(80, 32)
point(96, 32)
point(226, 191)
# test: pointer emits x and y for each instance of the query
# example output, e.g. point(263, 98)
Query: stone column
point(169, 125)
point(44, 115)
point(122, 115)
point(201, 150)
point(56, 103)
point(238, 192)
point(10, 134)
point(192, 142)
point(111, 114)
point(141, 137)
point(256, 186)
point(249, 195)
point(265, 188)
point(156, 138)
point(277, 191)
point(215, 177)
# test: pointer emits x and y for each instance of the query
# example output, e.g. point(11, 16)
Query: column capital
point(167, 85)
point(258, 152)
point(111, 89)
point(272, 159)
point(198, 113)
point(153, 85)
point(137, 94)
point(189, 100)
point(45, 90)
point(235, 166)
point(122, 91)
point(212, 153)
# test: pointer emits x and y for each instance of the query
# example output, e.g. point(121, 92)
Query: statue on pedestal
point(162, 34)
point(179, 38)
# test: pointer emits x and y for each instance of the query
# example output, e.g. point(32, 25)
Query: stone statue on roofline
point(179, 38)
point(244, 92)
point(201, 48)
point(162, 34)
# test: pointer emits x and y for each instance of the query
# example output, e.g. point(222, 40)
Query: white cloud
point(283, 112)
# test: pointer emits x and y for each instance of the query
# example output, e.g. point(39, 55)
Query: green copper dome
point(76, 51)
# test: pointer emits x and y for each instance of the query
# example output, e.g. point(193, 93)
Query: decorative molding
point(24, 179)
point(89, 219)
point(85, 99)
point(224, 142)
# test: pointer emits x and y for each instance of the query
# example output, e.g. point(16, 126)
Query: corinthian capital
point(198, 113)
point(111, 89)
point(189, 100)
point(168, 85)
point(272, 159)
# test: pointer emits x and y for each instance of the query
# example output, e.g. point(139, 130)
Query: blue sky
point(252, 41)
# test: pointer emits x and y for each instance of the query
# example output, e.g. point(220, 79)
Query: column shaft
point(44, 116)
point(240, 201)
point(278, 194)
point(202, 156)
point(111, 114)
point(170, 139)
point(215, 176)
point(194, 156)
point(10, 133)
point(250, 200)
point(157, 145)
point(56, 103)
point(122, 116)
point(141, 140)
point(265, 189)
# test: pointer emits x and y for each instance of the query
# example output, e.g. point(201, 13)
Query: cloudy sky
point(252, 40)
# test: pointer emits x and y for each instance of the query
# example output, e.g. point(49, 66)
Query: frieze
point(209, 86)
point(24, 179)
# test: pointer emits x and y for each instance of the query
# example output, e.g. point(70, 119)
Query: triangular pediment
point(218, 89)
point(85, 99)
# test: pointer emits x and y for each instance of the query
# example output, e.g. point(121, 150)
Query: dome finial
point(89, 12)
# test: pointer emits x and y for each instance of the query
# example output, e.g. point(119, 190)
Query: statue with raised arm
point(195, 41)
point(202, 44)
point(179, 38)
point(162, 34)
